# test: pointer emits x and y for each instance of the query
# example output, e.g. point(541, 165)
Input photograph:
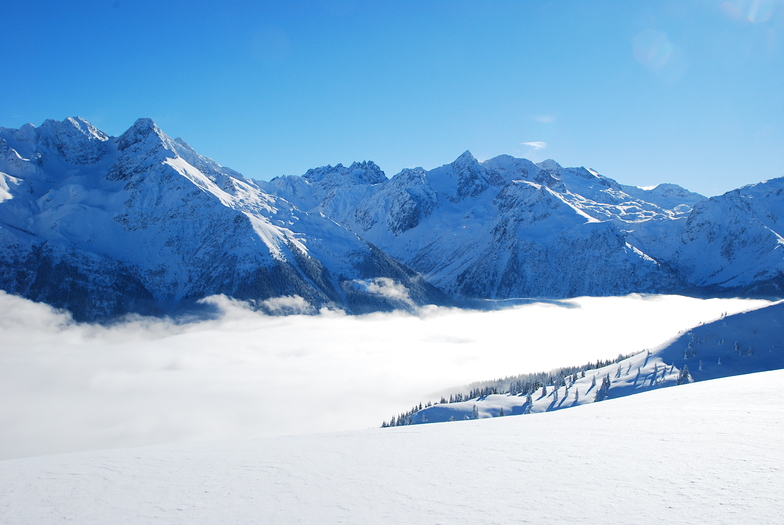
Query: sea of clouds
point(66, 386)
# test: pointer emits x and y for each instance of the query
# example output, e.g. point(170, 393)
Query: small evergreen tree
point(684, 376)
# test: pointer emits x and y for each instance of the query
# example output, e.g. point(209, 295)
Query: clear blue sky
point(690, 92)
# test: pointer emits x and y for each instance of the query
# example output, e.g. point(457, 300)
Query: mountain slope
point(141, 223)
point(733, 242)
point(743, 343)
point(709, 450)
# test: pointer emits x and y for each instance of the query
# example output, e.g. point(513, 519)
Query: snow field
point(705, 452)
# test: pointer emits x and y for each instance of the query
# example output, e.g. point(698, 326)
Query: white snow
point(701, 453)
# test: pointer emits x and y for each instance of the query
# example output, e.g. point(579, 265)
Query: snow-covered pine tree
point(684, 376)
point(603, 391)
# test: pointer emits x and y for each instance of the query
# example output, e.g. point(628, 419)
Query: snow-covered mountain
point(733, 242)
point(739, 344)
point(105, 225)
point(142, 223)
point(505, 227)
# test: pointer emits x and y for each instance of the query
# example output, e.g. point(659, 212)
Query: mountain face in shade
point(104, 226)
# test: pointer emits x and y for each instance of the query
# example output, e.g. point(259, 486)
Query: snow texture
point(708, 452)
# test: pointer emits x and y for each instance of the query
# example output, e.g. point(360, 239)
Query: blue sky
point(644, 92)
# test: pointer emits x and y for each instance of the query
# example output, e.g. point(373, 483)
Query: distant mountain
point(503, 228)
point(104, 226)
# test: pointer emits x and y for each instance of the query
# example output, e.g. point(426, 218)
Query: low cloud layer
point(67, 387)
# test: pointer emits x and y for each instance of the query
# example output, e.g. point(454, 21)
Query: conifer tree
point(684, 376)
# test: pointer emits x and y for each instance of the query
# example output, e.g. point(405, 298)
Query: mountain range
point(141, 223)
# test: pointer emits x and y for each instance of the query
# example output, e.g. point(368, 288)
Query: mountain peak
point(72, 127)
point(73, 139)
point(466, 158)
point(549, 165)
point(367, 172)
point(141, 129)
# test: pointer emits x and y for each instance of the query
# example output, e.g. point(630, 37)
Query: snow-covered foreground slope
point(706, 452)
point(744, 343)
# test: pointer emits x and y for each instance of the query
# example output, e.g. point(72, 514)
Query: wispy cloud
point(535, 145)
point(385, 287)
point(545, 119)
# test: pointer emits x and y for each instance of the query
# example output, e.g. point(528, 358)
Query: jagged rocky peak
point(365, 172)
point(465, 159)
point(72, 127)
point(143, 131)
point(462, 178)
point(74, 139)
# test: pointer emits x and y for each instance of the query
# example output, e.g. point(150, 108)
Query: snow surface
point(699, 453)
